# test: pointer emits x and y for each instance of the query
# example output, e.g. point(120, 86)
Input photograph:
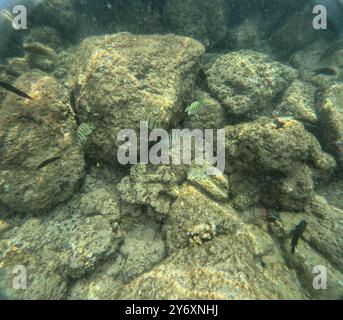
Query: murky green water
point(171, 149)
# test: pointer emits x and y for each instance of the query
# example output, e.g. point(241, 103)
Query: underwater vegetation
point(87, 227)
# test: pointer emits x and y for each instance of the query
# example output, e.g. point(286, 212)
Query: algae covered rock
point(274, 162)
point(203, 20)
point(70, 243)
point(195, 219)
point(192, 206)
point(142, 249)
point(153, 187)
point(330, 108)
point(211, 114)
point(40, 163)
point(319, 246)
point(299, 102)
point(246, 82)
point(235, 266)
point(122, 79)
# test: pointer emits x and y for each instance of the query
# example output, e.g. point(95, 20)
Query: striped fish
point(194, 108)
point(83, 131)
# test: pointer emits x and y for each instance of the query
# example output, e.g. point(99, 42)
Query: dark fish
point(297, 233)
point(14, 90)
point(337, 46)
point(48, 161)
point(327, 71)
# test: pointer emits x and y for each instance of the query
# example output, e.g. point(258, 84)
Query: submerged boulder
point(242, 265)
point(40, 163)
point(299, 101)
point(70, 243)
point(319, 246)
point(246, 82)
point(275, 163)
point(330, 108)
point(123, 79)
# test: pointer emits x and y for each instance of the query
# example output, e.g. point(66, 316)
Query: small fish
point(7, 15)
point(194, 108)
point(297, 233)
point(48, 161)
point(83, 131)
point(14, 90)
point(326, 71)
point(337, 46)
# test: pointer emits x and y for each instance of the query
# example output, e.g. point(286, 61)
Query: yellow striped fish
point(83, 131)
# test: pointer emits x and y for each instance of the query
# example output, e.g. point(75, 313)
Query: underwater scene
point(171, 149)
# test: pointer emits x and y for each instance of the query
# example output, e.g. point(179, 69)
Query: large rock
point(122, 79)
point(142, 249)
point(40, 162)
point(299, 101)
point(210, 116)
point(243, 265)
point(70, 243)
point(274, 162)
point(319, 246)
point(246, 82)
point(330, 108)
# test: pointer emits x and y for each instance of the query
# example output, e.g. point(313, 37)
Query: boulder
point(123, 79)
point(246, 82)
point(41, 164)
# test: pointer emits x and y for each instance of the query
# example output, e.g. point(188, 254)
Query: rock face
point(210, 116)
point(279, 160)
point(240, 271)
point(68, 244)
point(319, 246)
point(40, 162)
point(203, 20)
point(123, 79)
point(330, 108)
point(299, 102)
point(245, 82)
